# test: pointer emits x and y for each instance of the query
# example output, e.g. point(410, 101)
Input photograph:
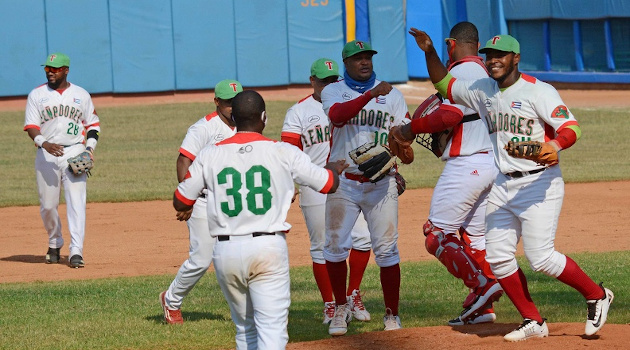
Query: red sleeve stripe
point(292, 138)
point(183, 199)
point(329, 183)
point(449, 93)
point(31, 126)
point(187, 154)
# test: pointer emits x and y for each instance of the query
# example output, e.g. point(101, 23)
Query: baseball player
point(527, 194)
point(209, 130)
point(362, 109)
point(307, 127)
point(59, 117)
point(249, 179)
point(460, 195)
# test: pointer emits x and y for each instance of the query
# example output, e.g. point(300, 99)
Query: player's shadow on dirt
point(192, 316)
point(487, 329)
point(29, 259)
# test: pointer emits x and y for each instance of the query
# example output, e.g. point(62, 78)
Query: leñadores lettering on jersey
point(376, 118)
point(49, 113)
point(513, 124)
point(316, 135)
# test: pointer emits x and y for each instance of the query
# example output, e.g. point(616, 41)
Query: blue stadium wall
point(122, 46)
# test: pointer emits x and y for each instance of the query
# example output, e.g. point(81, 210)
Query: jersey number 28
point(257, 182)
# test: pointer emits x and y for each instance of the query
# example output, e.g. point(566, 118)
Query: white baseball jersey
point(250, 179)
point(528, 110)
point(372, 124)
point(307, 119)
point(208, 130)
point(470, 137)
point(62, 118)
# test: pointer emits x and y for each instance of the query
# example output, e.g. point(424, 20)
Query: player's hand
point(53, 148)
point(383, 88)
point(423, 40)
point(338, 166)
point(184, 215)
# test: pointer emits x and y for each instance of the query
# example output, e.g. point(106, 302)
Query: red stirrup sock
point(573, 276)
point(515, 286)
point(390, 282)
point(358, 262)
point(337, 272)
point(323, 281)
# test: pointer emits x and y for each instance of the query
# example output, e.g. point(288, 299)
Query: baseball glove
point(435, 142)
point(540, 152)
point(81, 163)
point(399, 145)
point(401, 184)
point(373, 160)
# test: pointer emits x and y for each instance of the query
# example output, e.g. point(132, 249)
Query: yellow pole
point(351, 26)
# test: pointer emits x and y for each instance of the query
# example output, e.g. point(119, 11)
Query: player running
point(526, 197)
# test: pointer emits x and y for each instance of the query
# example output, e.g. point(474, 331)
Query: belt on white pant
point(222, 238)
point(517, 174)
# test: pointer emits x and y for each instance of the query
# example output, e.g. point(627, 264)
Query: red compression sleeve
point(445, 117)
point(566, 138)
point(291, 138)
point(340, 113)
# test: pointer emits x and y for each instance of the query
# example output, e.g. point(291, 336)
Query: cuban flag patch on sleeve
point(381, 100)
point(516, 105)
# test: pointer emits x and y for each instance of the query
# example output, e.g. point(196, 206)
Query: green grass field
point(135, 157)
point(135, 161)
point(124, 313)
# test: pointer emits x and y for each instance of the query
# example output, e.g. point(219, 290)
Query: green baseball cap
point(227, 89)
point(356, 46)
point(324, 68)
point(504, 42)
point(57, 60)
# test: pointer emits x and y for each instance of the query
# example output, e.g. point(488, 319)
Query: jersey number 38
point(257, 181)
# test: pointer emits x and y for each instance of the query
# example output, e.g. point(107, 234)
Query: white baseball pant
point(527, 208)
point(50, 173)
point(199, 256)
point(253, 273)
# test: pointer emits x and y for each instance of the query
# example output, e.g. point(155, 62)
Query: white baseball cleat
point(483, 318)
point(598, 311)
point(329, 311)
point(339, 323)
point(390, 321)
point(356, 306)
point(528, 329)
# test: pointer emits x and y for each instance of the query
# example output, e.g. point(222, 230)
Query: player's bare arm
point(52, 148)
point(183, 163)
point(383, 88)
point(436, 69)
point(337, 168)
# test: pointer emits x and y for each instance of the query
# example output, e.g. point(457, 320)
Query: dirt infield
point(133, 239)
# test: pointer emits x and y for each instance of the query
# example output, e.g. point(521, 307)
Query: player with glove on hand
point(455, 230)
point(361, 110)
point(527, 195)
point(58, 117)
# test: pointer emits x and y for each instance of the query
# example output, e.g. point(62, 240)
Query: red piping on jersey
point(211, 115)
point(292, 138)
point(475, 59)
point(528, 78)
point(187, 154)
point(31, 126)
point(245, 137)
point(304, 99)
point(181, 198)
point(456, 140)
point(329, 183)
point(449, 93)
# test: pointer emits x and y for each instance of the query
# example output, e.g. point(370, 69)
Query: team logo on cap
point(560, 112)
point(234, 86)
point(52, 57)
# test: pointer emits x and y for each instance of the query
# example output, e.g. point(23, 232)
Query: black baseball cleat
point(52, 256)
point(76, 261)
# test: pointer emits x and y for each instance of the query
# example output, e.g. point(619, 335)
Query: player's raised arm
point(436, 69)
